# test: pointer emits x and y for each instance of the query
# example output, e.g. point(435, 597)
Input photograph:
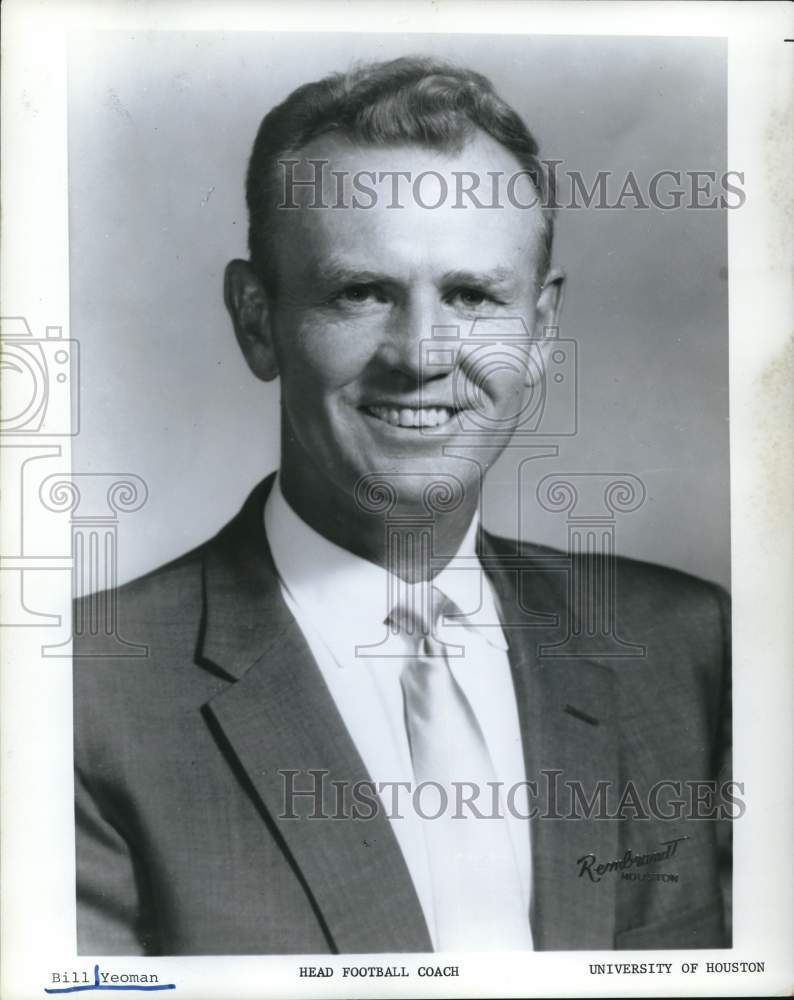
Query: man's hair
point(411, 100)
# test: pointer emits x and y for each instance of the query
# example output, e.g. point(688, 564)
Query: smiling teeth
point(430, 416)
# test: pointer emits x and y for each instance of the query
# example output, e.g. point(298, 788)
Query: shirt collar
point(346, 596)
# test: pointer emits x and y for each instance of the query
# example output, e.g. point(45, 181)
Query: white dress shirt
point(340, 602)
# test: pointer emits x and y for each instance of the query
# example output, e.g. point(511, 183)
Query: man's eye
point(358, 295)
point(470, 298)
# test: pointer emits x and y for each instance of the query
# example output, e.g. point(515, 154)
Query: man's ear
point(249, 308)
point(547, 317)
point(549, 304)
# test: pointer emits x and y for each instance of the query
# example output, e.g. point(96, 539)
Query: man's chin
point(418, 485)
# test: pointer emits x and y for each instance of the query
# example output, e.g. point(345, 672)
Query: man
point(353, 643)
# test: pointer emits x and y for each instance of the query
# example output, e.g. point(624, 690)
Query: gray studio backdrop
point(160, 127)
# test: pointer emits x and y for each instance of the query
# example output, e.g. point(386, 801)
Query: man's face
point(358, 291)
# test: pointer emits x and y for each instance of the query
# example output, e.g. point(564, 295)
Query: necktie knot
point(418, 612)
point(417, 616)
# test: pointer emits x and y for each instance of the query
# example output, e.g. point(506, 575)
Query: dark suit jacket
point(180, 844)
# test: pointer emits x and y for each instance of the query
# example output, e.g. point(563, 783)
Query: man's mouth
point(410, 416)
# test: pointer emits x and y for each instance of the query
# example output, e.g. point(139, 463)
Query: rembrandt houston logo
point(590, 866)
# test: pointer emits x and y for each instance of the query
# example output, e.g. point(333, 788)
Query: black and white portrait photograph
point(390, 438)
point(393, 284)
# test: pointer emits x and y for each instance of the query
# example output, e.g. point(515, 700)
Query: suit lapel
point(565, 710)
point(279, 717)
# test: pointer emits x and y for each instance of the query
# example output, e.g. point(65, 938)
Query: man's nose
point(407, 348)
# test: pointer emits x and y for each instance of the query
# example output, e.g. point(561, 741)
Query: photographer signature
point(595, 870)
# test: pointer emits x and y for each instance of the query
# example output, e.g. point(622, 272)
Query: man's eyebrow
point(336, 273)
point(498, 277)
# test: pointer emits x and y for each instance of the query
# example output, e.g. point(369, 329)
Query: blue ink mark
point(96, 985)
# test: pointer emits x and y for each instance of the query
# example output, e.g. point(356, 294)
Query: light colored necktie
point(477, 895)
